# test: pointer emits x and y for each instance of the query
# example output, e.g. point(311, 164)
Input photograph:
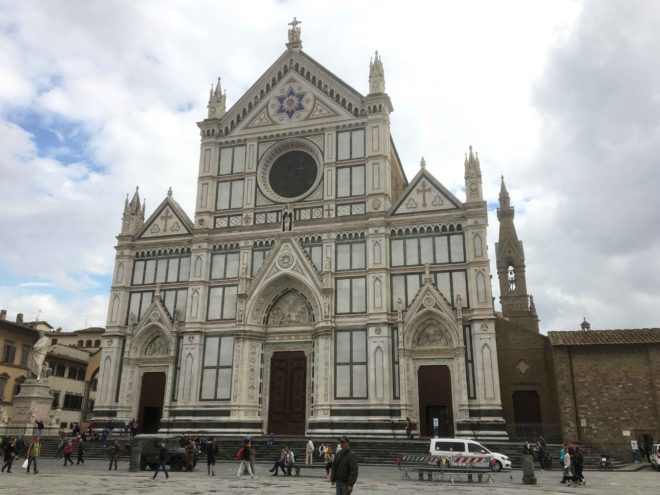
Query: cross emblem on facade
point(166, 216)
point(328, 210)
point(423, 190)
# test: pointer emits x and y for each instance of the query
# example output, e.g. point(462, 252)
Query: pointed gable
point(425, 193)
point(169, 219)
point(294, 89)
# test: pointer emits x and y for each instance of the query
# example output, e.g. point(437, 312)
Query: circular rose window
point(290, 170)
point(292, 174)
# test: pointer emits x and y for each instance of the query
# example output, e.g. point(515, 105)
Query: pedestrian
point(344, 468)
point(162, 459)
point(104, 437)
point(68, 451)
point(9, 454)
point(409, 428)
point(135, 428)
point(271, 440)
point(131, 427)
point(190, 454)
point(542, 454)
point(211, 451)
point(567, 467)
point(578, 466)
point(328, 457)
point(40, 428)
point(289, 461)
point(243, 455)
point(309, 452)
point(113, 453)
point(60, 449)
point(33, 452)
point(81, 451)
point(253, 456)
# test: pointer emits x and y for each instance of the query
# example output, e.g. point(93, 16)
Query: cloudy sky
point(563, 98)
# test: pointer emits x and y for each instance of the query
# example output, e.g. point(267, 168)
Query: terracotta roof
point(606, 337)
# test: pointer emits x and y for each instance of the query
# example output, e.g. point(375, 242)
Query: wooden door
point(287, 400)
point(152, 395)
point(434, 385)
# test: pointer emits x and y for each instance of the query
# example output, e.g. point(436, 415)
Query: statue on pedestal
point(4, 420)
point(39, 351)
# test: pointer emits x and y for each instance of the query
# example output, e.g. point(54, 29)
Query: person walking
point(60, 449)
point(10, 454)
point(309, 452)
point(162, 459)
point(81, 451)
point(243, 455)
point(344, 468)
point(20, 447)
point(113, 453)
point(190, 454)
point(328, 457)
point(211, 451)
point(33, 452)
point(68, 451)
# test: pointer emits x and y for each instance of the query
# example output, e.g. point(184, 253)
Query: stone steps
point(369, 451)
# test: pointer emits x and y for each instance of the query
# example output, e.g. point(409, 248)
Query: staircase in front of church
point(369, 451)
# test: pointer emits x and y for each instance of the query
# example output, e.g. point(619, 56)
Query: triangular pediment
point(156, 313)
point(286, 268)
point(169, 219)
point(293, 101)
point(425, 193)
point(294, 89)
point(429, 297)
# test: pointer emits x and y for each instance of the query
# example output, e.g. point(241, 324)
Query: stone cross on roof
point(294, 34)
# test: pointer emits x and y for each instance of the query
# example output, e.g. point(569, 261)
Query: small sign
point(633, 445)
point(626, 433)
point(436, 423)
point(583, 422)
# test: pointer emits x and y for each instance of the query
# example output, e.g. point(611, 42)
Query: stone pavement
point(93, 478)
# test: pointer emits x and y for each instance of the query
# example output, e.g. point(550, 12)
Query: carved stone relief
point(433, 336)
point(157, 347)
point(290, 309)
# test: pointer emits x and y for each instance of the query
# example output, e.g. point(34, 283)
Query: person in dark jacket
point(113, 454)
point(10, 455)
point(344, 468)
point(244, 457)
point(162, 459)
point(81, 451)
point(211, 450)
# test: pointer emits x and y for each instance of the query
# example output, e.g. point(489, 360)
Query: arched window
point(97, 343)
point(511, 278)
point(88, 343)
point(81, 343)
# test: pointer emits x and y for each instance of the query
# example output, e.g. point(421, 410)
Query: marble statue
point(39, 351)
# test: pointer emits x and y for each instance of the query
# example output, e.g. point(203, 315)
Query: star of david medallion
point(290, 103)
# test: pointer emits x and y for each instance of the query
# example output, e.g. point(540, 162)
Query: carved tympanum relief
point(433, 336)
point(290, 309)
point(157, 347)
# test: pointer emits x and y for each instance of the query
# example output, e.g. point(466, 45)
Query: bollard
point(528, 470)
point(136, 454)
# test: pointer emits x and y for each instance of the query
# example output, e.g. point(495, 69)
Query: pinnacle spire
point(169, 192)
point(422, 163)
point(473, 186)
point(376, 75)
point(217, 102)
point(505, 200)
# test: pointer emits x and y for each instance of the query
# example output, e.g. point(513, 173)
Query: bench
point(450, 468)
point(297, 467)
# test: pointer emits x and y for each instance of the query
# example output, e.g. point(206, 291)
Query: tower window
point(511, 278)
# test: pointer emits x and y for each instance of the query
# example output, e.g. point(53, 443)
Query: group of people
point(14, 448)
point(573, 464)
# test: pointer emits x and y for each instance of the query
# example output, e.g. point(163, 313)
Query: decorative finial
point(376, 75)
point(294, 34)
point(169, 192)
point(217, 102)
point(422, 163)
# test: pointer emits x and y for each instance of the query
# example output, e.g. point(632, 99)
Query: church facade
point(316, 290)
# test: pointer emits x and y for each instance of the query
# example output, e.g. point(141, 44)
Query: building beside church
point(316, 290)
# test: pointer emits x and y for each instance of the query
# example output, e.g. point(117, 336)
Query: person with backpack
point(113, 454)
point(243, 455)
point(33, 452)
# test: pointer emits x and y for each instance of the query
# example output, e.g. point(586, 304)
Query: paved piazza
point(94, 479)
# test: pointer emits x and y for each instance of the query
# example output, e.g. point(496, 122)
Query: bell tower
point(517, 305)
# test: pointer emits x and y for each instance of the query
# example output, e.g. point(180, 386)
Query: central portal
point(288, 379)
point(435, 402)
point(151, 402)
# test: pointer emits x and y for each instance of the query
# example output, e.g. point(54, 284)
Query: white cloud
point(558, 96)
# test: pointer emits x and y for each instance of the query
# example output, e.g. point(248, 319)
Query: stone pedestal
point(529, 478)
point(31, 404)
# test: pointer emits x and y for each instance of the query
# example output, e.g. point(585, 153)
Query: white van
point(655, 456)
point(453, 446)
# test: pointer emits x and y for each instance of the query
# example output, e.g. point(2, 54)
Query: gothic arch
point(481, 287)
point(487, 372)
point(146, 335)
point(115, 309)
point(258, 305)
point(107, 363)
point(187, 379)
point(198, 266)
point(432, 333)
point(377, 253)
point(420, 321)
point(478, 246)
point(379, 373)
point(378, 293)
point(120, 273)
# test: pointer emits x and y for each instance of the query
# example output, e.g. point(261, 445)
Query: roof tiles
point(605, 337)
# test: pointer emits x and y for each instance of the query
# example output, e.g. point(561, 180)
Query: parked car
point(655, 456)
point(150, 448)
point(446, 447)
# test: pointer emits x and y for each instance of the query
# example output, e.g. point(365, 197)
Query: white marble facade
point(313, 269)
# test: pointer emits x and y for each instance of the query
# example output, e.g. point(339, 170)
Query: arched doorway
point(435, 401)
point(151, 402)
